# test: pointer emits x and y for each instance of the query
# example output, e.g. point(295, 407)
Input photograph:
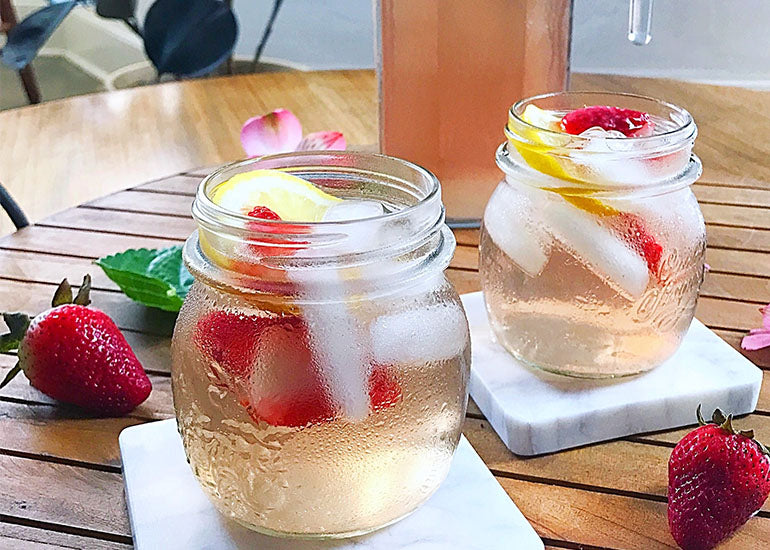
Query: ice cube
point(602, 160)
point(598, 247)
point(430, 333)
point(353, 210)
point(359, 237)
point(676, 229)
point(338, 341)
point(598, 131)
point(338, 344)
point(510, 222)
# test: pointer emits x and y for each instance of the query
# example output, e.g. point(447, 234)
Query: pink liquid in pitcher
point(448, 69)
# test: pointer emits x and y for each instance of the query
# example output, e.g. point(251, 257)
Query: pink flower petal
point(322, 140)
point(276, 132)
point(756, 340)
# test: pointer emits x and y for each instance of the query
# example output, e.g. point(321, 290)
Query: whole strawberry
point(77, 354)
point(718, 478)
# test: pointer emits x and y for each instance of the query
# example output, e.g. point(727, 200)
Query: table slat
point(737, 216)
point(610, 521)
point(80, 244)
point(65, 495)
point(736, 237)
point(180, 184)
point(23, 537)
point(721, 194)
point(34, 298)
point(141, 201)
point(123, 223)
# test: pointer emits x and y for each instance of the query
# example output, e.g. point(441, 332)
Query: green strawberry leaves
point(153, 277)
point(726, 423)
point(17, 324)
point(63, 294)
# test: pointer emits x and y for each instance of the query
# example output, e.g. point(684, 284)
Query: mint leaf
point(153, 277)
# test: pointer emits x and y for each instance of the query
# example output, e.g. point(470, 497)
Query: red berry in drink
point(289, 389)
point(263, 213)
point(627, 121)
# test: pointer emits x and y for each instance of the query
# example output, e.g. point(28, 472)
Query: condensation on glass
point(319, 370)
point(592, 247)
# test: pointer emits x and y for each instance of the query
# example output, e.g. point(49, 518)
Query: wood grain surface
point(60, 469)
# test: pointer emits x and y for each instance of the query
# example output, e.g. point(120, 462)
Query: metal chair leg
point(12, 208)
point(27, 74)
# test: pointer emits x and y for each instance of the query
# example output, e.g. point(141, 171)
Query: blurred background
point(705, 40)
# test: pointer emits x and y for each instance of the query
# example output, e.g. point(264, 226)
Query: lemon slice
point(293, 199)
point(541, 118)
point(536, 151)
point(539, 150)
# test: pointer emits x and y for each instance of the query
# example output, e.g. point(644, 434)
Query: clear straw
point(640, 22)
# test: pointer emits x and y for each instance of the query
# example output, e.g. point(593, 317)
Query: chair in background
point(27, 75)
point(12, 208)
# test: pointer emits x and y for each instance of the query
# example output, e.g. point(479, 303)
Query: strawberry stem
point(11, 375)
point(84, 292)
point(726, 423)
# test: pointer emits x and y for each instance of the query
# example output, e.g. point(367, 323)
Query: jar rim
point(265, 252)
point(512, 169)
point(208, 207)
point(645, 164)
point(684, 129)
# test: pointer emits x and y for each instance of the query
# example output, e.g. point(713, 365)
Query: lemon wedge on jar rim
point(293, 199)
point(537, 150)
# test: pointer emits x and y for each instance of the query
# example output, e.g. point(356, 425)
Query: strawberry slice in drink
point(230, 340)
point(285, 245)
point(631, 228)
point(286, 388)
point(384, 389)
point(263, 213)
point(635, 233)
point(269, 366)
point(627, 121)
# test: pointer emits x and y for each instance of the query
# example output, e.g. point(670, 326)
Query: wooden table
point(60, 476)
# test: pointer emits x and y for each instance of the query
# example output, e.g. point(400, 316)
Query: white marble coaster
point(169, 510)
point(535, 412)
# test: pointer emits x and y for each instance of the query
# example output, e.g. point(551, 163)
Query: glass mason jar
point(319, 370)
point(592, 247)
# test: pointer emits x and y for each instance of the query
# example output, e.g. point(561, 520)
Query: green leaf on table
point(153, 277)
